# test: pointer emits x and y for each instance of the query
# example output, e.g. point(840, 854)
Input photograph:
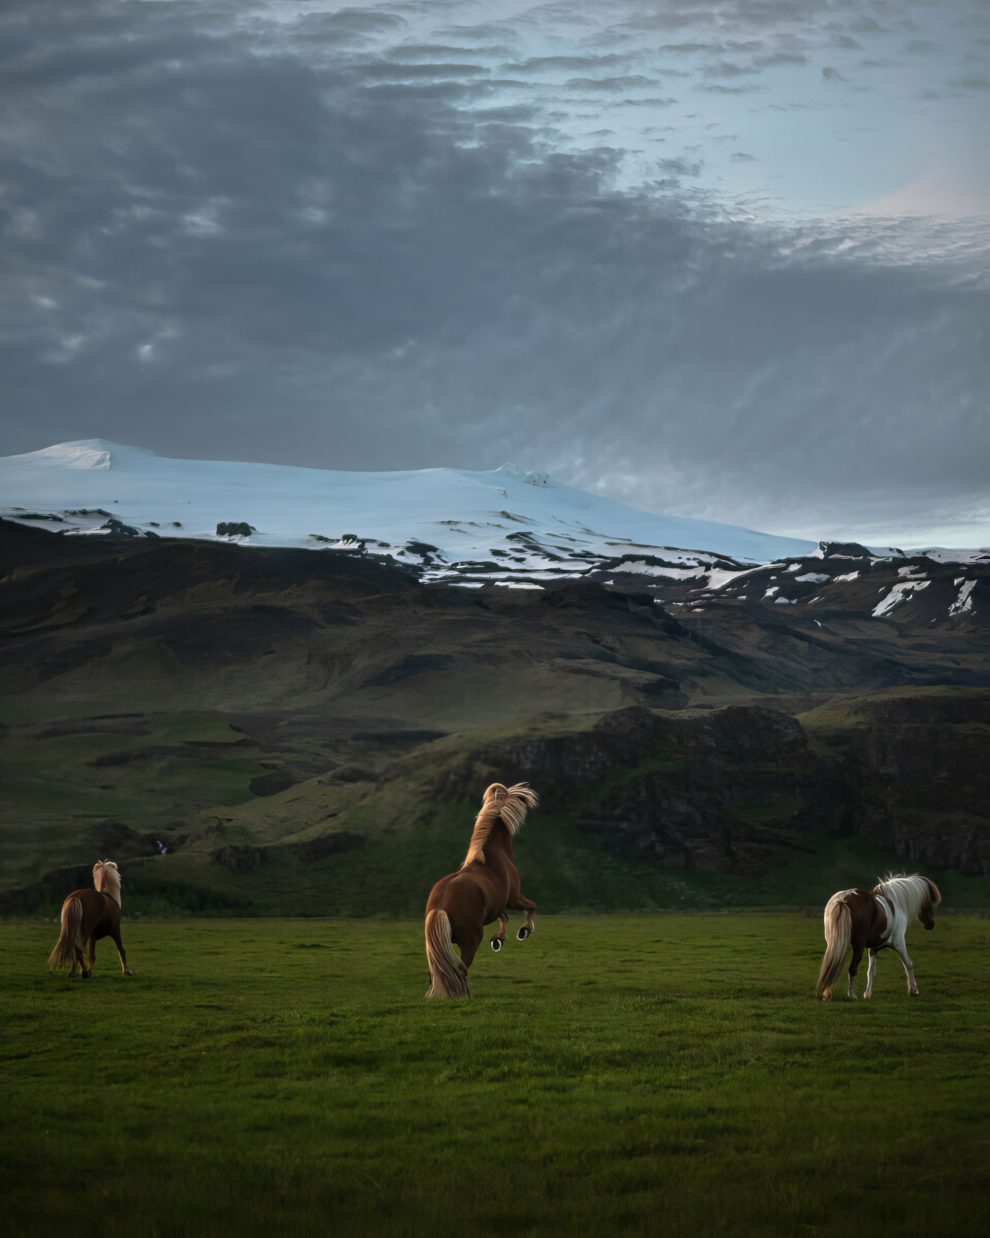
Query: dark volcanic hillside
point(275, 710)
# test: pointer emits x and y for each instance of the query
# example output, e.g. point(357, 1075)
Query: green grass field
point(662, 1074)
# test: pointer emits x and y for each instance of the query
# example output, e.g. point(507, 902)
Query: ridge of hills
point(311, 732)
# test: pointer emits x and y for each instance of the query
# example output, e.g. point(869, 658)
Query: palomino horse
point(874, 919)
point(487, 883)
point(88, 915)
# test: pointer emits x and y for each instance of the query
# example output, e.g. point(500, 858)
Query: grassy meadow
point(637, 1074)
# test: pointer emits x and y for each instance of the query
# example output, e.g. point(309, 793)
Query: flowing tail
point(838, 938)
point(70, 939)
point(448, 975)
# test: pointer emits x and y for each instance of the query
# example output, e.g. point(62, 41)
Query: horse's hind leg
point(871, 975)
point(88, 969)
point(857, 954)
point(499, 939)
point(469, 941)
point(121, 954)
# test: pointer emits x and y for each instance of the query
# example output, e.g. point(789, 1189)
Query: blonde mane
point(500, 803)
point(106, 879)
point(910, 893)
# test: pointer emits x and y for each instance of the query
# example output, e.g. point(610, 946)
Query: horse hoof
point(523, 933)
point(496, 944)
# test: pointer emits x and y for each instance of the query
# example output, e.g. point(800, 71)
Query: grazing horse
point(872, 920)
point(487, 883)
point(88, 915)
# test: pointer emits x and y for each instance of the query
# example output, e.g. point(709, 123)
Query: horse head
point(926, 911)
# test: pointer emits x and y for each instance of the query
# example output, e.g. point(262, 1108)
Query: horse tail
point(70, 939)
point(838, 938)
point(448, 975)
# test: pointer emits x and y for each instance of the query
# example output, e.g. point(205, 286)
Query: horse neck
point(109, 889)
point(906, 898)
point(498, 845)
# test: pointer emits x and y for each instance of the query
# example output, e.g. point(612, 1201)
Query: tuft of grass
point(612, 1074)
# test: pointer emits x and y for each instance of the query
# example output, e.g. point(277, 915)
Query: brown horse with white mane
point(88, 915)
point(480, 892)
point(872, 920)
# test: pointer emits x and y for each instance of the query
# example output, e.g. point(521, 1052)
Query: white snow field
point(463, 514)
point(506, 526)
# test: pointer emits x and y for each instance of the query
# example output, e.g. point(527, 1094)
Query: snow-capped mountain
point(505, 526)
point(461, 516)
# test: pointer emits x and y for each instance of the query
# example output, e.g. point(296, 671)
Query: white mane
point(106, 879)
point(501, 803)
point(909, 894)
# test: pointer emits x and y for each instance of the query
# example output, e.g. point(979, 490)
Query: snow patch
point(898, 594)
point(964, 601)
point(638, 568)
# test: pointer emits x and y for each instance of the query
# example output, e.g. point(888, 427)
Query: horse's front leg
point(498, 941)
point(912, 984)
point(121, 953)
point(521, 903)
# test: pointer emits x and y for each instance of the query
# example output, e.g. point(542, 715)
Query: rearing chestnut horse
point(88, 915)
point(487, 883)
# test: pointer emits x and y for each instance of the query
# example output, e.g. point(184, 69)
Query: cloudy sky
point(719, 258)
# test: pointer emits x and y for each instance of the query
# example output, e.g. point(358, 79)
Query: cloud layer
point(387, 237)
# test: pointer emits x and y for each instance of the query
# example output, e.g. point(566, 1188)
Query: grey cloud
point(510, 114)
point(716, 88)
point(681, 166)
point(387, 71)
point(444, 91)
point(725, 68)
point(441, 52)
point(568, 64)
point(349, 25)
point(268, 256)
point(773, 59)
point(866, 25)
point(610, 85)
point(740, 156)
point(972, 81)
point(652, 102)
